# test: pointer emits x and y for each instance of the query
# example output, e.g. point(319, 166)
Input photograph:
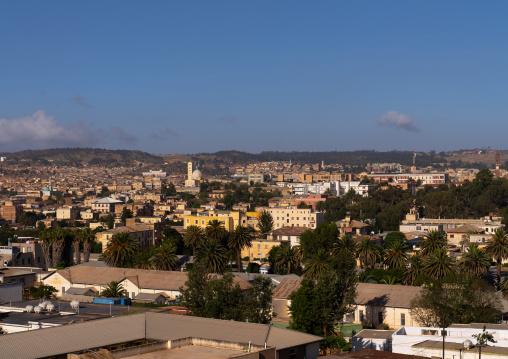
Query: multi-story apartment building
point(294, 217)
point(25, 254)
point(67, 212)
point(143, 233)
point(201, 218)
point(400, 178)
point(11, 211)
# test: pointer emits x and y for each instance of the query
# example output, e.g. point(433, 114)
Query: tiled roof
point(465, 228)
point(143, 278)
point(107, 200)
point(386, 295)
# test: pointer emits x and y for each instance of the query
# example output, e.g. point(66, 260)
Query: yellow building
point(201, 218)
point(260, 248)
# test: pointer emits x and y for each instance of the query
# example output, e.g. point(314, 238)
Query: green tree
point(215, 231)
point(287, 258)
point(165, 258)
point(396, 256)
point(344, 245)
point(302, 205)
point(239, 239)
point(76, 244)
point(193, 294)
point(317, 265)
point(414, 270)
point(43, 292)
point(114, 290)
point(193, 238)
point(368, 252)
point(121, 250)
point(395, 237)
point(224, 299)
point(433, 241)
point(438, 264)
point(126, 213)
point(497, 248)
point(265, 222)
point(474, 262)
point(87, 238)
point(143, 259)
point(259, 300)
point(46, 239)
point(213, 256)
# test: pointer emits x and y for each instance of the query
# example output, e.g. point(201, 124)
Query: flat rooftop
point(191, 351)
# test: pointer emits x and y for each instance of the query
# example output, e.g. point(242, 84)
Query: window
point(266, 246)
point(361, 316)
point(380, 317)
point(259, 246)
point(402, 319)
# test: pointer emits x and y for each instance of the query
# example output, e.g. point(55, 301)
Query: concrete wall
point(369, 343)
point(138, 350)
point(80, 298)
point(11, 292)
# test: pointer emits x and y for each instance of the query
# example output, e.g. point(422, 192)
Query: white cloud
point(398, 120)
point(80, 101)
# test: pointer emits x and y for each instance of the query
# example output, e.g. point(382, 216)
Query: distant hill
point(83, 156)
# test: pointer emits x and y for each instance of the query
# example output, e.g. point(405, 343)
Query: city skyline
point(204, 77)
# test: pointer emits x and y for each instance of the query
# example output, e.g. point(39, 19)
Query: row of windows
point(293, 218)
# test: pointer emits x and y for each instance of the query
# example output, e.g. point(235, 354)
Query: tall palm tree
point(165, 258)
point(504, 287)
point(193, 238)
point(46, 238)
point(88, 239)
point(58, 245)
point(143, 259)
point(433, 241)
point(239, 239)
point(214, 257)
point(215, 231)
point(287, 257)
point(396, 256)
point(121, 250)
point(114, 290)
point(317, 265)
point(344, 245)
point(438, 264)
point(76, 244)
point(413, 270)
point(367, 252)
point(497, 248)
point(475, 262)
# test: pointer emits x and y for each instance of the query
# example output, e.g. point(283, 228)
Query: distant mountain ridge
point(83, 156)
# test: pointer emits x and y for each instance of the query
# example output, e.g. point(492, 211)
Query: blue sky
point(202, 76)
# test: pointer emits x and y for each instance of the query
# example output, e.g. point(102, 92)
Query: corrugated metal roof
point(386, 295)
point(143, 278)
point(287, 287)
point(154, 326)
point(73, 337)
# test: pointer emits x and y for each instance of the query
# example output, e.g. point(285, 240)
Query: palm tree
point(46, 238)
point(497, 248)
point(438, 264)
point(88, 239)
point(287, 257)
point(58, 245)
point(344, 245)
point(475, 262)
point(367, 252)
point(114, 290)
point(193, 238)
point(165, 257)
point(215, 230)
point(317, 265)
point(214, 257)
point(240, 238)
point(265, 222)
point(76, 244)
point(504, 287)
point(390, 279)
point(143, 259)
point(363, 277)
point(433, 241)
point(466, 238)
point(396, 256)
point(413, 270)
point(121, 250)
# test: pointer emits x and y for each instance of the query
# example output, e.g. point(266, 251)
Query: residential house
point(291, 234)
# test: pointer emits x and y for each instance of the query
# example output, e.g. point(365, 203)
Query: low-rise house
point(281, 301)
point(143, 233)
point(135, 281)
point(373, 339)
point(17, 275)
point(289, 234)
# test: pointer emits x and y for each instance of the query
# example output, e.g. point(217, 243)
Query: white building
point(294, 217)
point(336, 188)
